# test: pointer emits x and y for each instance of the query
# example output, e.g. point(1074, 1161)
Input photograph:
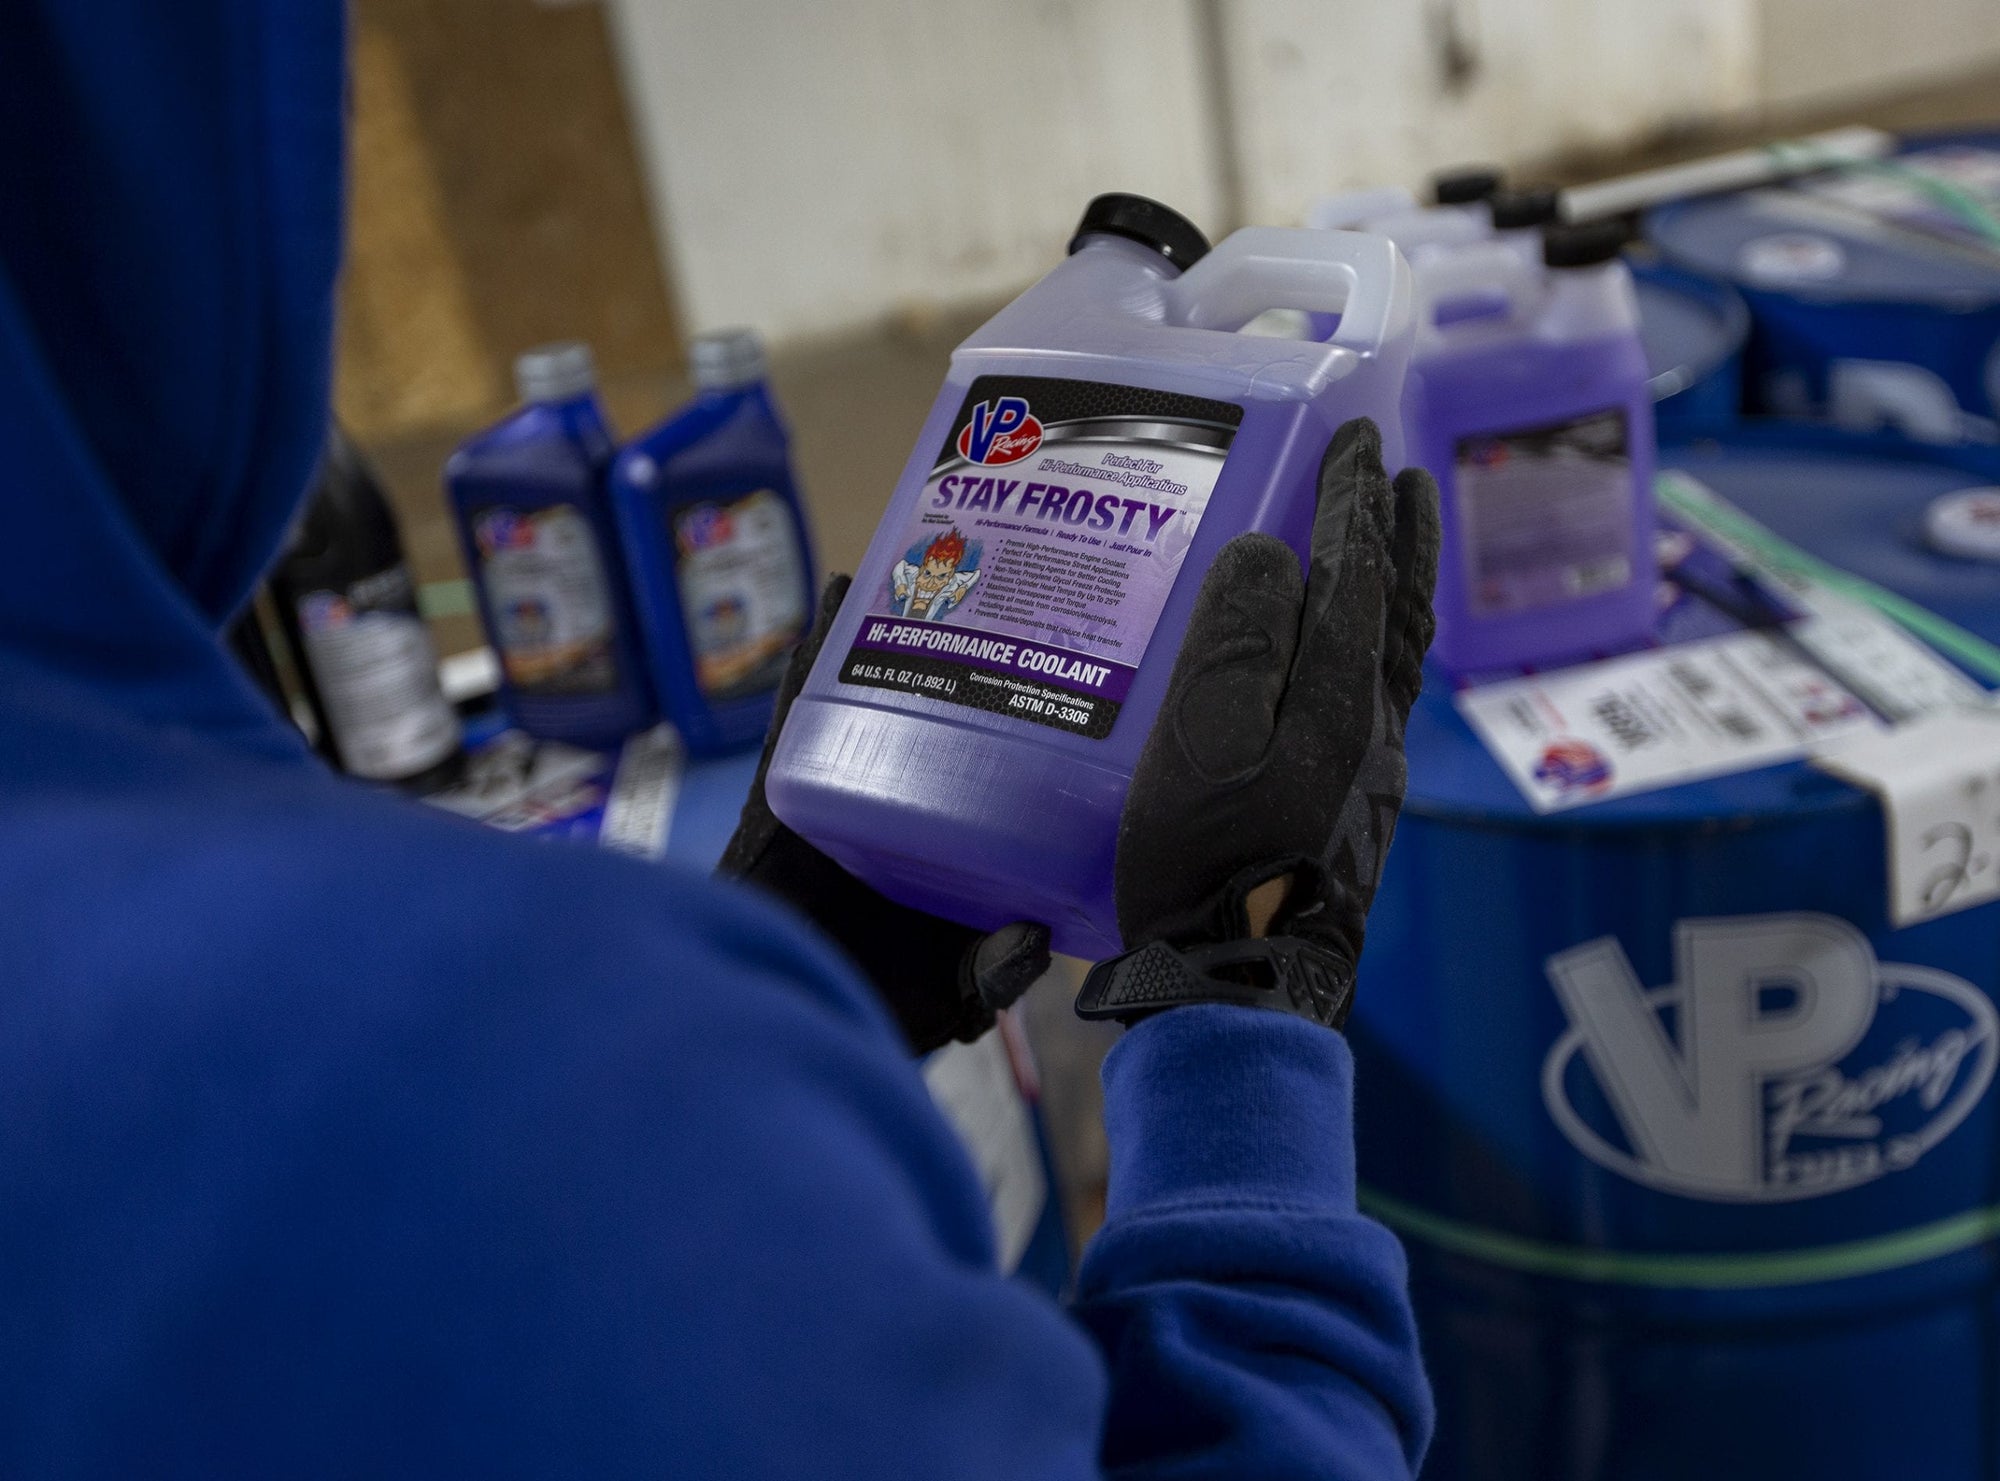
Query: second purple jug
point(965, 741)
point(1537, 418)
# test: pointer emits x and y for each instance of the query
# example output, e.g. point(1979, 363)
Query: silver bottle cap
point(557, 372)
point(1965, 524)
point(727, 359)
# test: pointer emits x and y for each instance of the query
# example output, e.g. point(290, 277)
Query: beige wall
point(815, 166)
point(1337, 93)
point(1813, 51)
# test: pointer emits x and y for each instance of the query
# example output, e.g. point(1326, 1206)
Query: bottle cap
point(1583, 245)
point(1146, 222)
point(727, 360)
point(1965, 524)
point(1785, 258)
point(1465, 185)
point(555, 372)
point(1514, 210)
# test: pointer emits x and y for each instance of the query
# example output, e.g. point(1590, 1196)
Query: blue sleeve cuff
point(1221, 1104)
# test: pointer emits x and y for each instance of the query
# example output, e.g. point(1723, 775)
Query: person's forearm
point(1250, 1317)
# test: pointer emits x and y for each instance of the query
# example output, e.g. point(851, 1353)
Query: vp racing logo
point(1002, 430)
point(1783, 1062)
point(1573, 766)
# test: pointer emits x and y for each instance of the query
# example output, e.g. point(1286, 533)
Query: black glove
point(1278, 756)
point(942, 981)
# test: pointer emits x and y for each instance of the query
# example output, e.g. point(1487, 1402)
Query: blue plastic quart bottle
point(967, 736)
point(535, 525)
point(710, 518)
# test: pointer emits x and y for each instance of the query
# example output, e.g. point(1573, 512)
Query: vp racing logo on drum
point(1002, 430)
point(1783, 1062)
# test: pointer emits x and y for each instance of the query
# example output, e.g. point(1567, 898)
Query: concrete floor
point(856, 405)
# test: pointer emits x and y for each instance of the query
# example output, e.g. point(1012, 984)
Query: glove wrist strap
point(1284, 973)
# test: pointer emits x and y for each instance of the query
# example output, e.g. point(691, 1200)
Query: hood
point(171, 180)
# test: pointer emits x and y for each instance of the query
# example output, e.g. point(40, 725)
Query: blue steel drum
point(1858, 320)
point(1693, 329)
point(1695, 1156)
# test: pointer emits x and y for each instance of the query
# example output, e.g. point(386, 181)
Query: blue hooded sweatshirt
point(339, 1138)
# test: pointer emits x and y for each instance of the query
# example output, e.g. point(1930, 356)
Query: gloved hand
point(1266, 795)
point(942, 981)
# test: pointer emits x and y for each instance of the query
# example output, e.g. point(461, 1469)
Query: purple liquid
point(1539, 583)
point(964, 808)
point(987, 819)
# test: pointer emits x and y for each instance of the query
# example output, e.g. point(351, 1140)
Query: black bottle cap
point(1465, 185)
point(1583, 245)
point(1146, 222)
point(1515, 209)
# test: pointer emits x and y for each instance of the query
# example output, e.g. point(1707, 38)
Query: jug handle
point(1482, 267)
point(1360, 277)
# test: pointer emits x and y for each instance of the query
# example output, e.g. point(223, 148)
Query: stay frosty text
point(1054, 503)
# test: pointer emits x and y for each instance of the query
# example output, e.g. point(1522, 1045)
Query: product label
point(521, 785)
point(743, 590)
point(977, 1089)
point(1660, 718)
point(1545, 515)
point(640, 807)
point(1899, 676)
point(624, 802)
point(376, 672)
point(1938, 778)
point(550, 599)
point(1047, 539)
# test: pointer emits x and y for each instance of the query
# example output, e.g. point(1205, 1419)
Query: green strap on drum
point(1710, 1272)
point(1968, 208)
point(1797, 157)
point(1703, 510)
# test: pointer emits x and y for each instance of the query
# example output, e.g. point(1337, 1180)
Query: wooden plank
point(495, 204)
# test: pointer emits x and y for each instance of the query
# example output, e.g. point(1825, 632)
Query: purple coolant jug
point(1535, 416)
point(965, 740)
